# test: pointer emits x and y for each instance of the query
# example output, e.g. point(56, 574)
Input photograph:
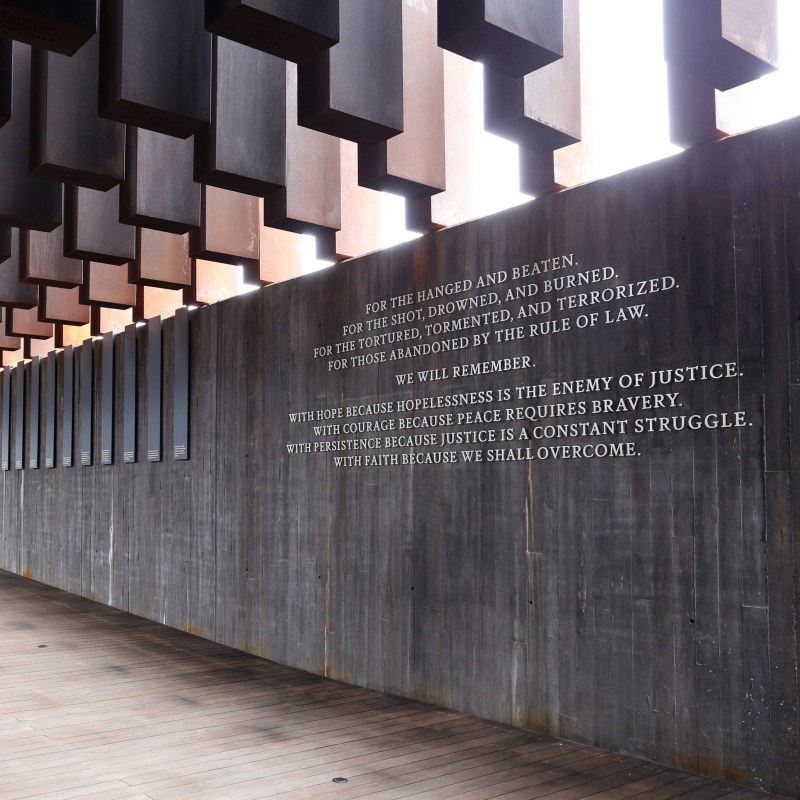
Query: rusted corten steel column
point(68, 140)
point(229, 228)
point(107, 285)
point(155, 65)
point(540, 111)
point(512, 36)
point(7, 342)
point(296, 30)
point(211, 282)
point(162, 259)
point(361, 214)
point(92, 229)
point(692, 109)
point(37, 349)
point(25, 322)
point(354, 90)
point(155, 301)
point(5, 243)
point(25, 201)
point(12, 291)
point(42, 260)
point(713, 45)
point(280, 257)
point(159, 190)
point(311, 201)
point(63, 306)
point(109, 319)
point(413, 162)
point(456, 204)
point(61, 27)
point(244, 148)
point(723, 43)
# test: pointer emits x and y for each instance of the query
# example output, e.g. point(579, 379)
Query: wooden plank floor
point(95, 703)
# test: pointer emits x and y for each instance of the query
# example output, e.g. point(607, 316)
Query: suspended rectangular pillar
point(63, 306)
point(69, 141)
point(92, 229)
point(228, 230)
point(12, 291)
point(511, 36)
point(155, 65)
point(413, 162)
point(296, 30)
point(311, 201)
point(62, 27)
point(244, 148)
point(159, 191)
point(162, 260)
point(354, 90)
point(25, 201)
point(107, 285)
point(26, 322)
point(43, 261)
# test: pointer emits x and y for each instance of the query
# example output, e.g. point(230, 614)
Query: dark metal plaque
point(33, 414)
point(19, 415)
point(50, 411)
point(85, 400)
point(107, 400)
point(68, 402)
point(180, 405)
point(129, 395)
point(154, 389)
point(5, 439)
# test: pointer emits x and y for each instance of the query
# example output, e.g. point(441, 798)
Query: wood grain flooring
point(96, 703)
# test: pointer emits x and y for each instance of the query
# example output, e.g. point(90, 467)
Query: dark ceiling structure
point(146, 145)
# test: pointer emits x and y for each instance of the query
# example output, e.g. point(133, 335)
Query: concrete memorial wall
point(538, 467)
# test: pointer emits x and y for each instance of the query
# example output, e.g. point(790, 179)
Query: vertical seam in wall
point(214, 465)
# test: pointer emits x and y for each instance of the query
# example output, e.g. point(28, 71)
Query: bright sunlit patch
point(310, 261)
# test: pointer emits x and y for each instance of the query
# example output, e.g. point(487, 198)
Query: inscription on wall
point(422, 415)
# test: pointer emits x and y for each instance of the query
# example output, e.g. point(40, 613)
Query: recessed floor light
point(340, 780)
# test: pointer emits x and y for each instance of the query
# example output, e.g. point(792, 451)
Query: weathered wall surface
point(629, 581)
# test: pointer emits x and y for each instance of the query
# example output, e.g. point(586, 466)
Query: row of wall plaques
point(32, 392)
